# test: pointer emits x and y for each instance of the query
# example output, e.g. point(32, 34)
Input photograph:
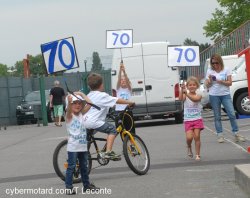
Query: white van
point(239, 89)
point(155, 86)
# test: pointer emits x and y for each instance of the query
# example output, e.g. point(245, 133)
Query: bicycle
point(134, 150)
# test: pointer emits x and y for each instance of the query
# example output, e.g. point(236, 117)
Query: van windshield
point(234, 70)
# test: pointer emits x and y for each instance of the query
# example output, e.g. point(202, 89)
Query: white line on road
point(228, 140)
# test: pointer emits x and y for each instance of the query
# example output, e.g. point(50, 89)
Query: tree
point(97, 65)
point(36, 64)
point(224, 21)
point(19, 68)
point(202, 47)
point(3, 70)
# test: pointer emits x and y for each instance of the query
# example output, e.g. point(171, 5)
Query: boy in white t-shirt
point(77, 142)
point(95, 119)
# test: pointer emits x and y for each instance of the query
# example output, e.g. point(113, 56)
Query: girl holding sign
point(192, 115)
point(124, 91)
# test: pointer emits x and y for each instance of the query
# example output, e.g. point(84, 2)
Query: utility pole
point(26, 67)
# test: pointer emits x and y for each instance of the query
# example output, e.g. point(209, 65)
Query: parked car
point(25, 111)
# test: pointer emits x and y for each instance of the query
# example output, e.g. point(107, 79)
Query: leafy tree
point(19, 68)
point(36, 64)
point(97, 65)
point(3, 70)
point(202, 47)
point(224, 21)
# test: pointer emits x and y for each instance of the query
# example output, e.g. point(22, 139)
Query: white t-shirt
point(77, 136)
point(218, 89)
point(125, 94)
point(94, 118)
point(192, 110)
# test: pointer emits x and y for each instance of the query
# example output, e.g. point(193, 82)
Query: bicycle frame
point(120, 130)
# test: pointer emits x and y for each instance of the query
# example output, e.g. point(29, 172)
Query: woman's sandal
point(190, 153)
point(198, 158)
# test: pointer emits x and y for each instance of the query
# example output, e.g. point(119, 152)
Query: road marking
point(228, 140)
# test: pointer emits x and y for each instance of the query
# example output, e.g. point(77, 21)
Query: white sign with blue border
point(60, 55)
point(183, 56)
point(119, 39)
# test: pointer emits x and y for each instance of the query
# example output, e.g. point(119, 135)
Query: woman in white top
point(124, 91)
point(218, 80)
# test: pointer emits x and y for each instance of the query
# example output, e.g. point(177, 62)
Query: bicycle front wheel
point(138, 160)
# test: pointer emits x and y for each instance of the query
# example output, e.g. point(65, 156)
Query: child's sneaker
point(70, 191)
point(239, 138)
point(112, 155)
point(102, 154)
point(91, 186)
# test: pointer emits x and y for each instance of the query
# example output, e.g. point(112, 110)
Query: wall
point(13, 89)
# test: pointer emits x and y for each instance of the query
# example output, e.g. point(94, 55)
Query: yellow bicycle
point(134, 150)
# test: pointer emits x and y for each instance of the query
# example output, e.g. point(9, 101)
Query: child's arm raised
point(127, 79)
point(87, 106)
point(69, 109)
point(119, 76)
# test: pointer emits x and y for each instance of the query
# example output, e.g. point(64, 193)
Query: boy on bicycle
point(95, 119)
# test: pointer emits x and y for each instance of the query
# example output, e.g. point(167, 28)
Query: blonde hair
point(193, 79)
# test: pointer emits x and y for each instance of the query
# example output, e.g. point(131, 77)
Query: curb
point(242, 176)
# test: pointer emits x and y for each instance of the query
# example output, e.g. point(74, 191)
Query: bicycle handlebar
point(71, 92)
point(114, 115)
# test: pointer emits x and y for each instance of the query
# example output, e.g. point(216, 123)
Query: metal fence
point(13, 89)
point(230, 44)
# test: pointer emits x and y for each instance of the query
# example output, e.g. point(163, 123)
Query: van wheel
point(178, 118)
point(243, 104)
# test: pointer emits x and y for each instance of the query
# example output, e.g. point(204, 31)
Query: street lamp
point(85, 75)
point(85, 64)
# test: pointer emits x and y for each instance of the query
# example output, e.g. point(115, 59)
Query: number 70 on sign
point(119, 39)
point(183, 56)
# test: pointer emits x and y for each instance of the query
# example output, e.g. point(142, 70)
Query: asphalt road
point(26, 163)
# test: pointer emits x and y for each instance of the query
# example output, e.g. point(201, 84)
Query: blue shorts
point(107, 128)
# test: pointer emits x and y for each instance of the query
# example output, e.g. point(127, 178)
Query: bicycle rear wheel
point(139, 163)
point(60, 163)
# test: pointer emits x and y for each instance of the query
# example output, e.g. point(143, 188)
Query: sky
point(26, 24)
